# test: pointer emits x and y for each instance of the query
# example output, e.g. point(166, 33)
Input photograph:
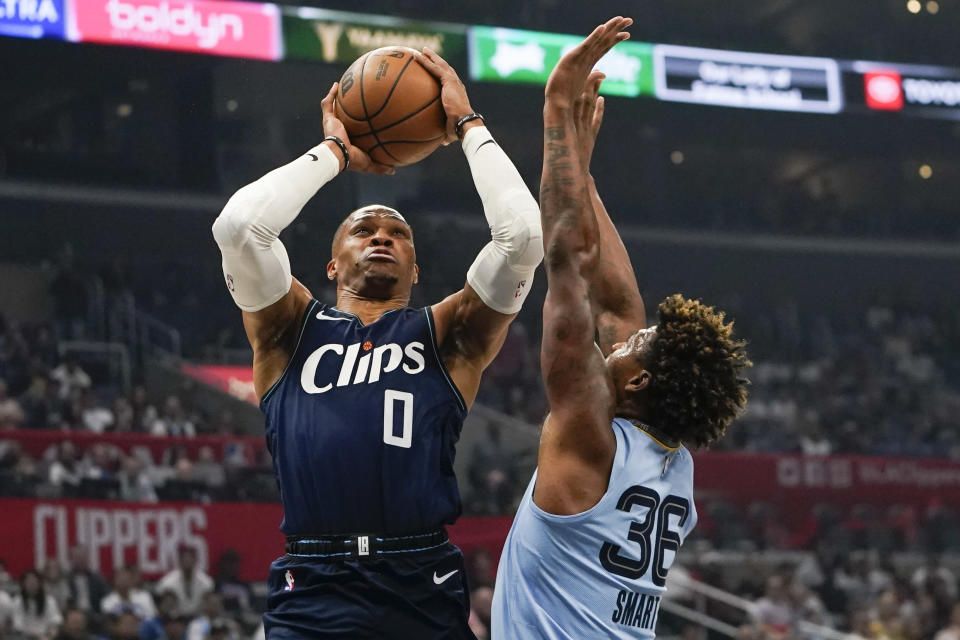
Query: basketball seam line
point(401, 120)
point(386, 100)
point(383, 145)
point(344, 109)
point(363, 103)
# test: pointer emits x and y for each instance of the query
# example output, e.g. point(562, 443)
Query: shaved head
point(381, 210)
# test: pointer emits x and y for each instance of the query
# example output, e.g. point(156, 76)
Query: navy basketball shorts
point(408, 596)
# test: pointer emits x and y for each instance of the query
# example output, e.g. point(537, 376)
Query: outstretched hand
point(587, 117)
point(359, 160)
point(568, 78)
point(453, 94)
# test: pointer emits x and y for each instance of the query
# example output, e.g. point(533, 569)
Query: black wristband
point(343, 150)
point(464, 120)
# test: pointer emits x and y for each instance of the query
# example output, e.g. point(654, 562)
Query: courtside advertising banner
point(910, 89)
point(514, 55)
point(238, 29)
point(118, 533)
point(747, 80)
point(235, 380)
point(32, 18)
point(340, 36)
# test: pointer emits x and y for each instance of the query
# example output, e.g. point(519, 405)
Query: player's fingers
point(428, 64)
point(593, 83)
point(326, 105)
point(360, 161)
point(598, 113)
point(382, 169)
point(439, 62)
point(614, 31)
point(579, 107)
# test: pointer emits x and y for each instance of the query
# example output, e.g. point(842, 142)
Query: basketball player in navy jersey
point(364, 400)
point(611, 500)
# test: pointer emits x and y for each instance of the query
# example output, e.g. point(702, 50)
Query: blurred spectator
point(87, 588)
point(951, 631)
point(173, 420)
point(65, 471)
point(808, 605)
point(35, 613)
point(188, 581)
point(75, 626)
point(70, 377)
point(481, 600)
point(212, 615)
point(55, 583)
point(100, 460)
point(94, 416)
point(175, 628)
point(223, 629)
point(887, 619)
point(135, 483)
point(235, 592)
point(6, 613)
point(124, 626)
point(126, 598)
point(123, 415)
point(935, 571)
point(11, 412)
point(774, 611)
point(207, 470)
point(494, 496)
point(814, 442)
point(153, 629)
point(480, 568)
point(144, 413)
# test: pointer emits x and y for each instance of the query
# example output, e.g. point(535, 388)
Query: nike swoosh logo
point(314, 156)
point(441, 579)
point(322, 316)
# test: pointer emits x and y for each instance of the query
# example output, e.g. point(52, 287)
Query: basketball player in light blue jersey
point(612, 498)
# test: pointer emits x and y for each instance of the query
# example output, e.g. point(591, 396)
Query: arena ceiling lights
point(671, 73)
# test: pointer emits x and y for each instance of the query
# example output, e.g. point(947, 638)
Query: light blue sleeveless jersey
point(600, 573)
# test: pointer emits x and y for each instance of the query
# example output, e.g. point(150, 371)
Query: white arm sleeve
point(503, 272)
point(255, 262)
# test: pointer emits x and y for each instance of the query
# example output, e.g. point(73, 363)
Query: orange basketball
point(390, 106)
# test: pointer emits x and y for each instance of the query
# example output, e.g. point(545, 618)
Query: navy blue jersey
point(362, 426)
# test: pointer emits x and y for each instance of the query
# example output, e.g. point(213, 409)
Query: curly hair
point(698, 384)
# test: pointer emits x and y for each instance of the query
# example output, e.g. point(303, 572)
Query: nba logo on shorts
point(230, 282)
point(289, 578)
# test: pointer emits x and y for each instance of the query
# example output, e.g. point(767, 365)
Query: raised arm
point(576, 445)
point(471, 324)
point(255, 263)
point(618, 306)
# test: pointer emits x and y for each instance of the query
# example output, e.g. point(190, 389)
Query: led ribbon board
point(341, 36)
point(514, 55)
point(225, 28)
point(32, 18)
point(925, 91)
point(747, 80)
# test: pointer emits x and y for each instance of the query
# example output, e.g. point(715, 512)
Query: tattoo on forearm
point(557, 175)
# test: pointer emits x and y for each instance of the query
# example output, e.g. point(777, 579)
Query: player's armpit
point(469, 335)
point(273, 332)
